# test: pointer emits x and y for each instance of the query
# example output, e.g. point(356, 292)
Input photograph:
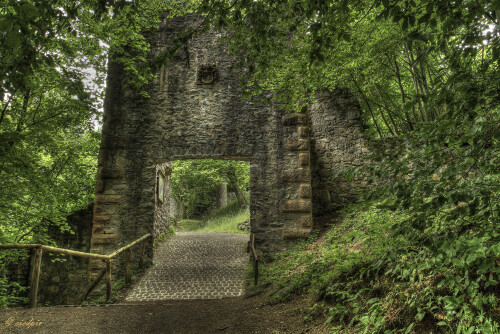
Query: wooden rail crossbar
point(255, 261)
point(35, 273)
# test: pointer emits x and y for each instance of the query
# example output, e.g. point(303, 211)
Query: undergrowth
point(225, 219)
point(370, 279)
point(164, 235)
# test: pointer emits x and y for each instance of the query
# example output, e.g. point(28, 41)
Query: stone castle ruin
point(195, 111)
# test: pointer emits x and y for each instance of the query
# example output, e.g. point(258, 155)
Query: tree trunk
point(222, 196)
point(234, 184)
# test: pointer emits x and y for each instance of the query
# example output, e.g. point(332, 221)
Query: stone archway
point(195, 110)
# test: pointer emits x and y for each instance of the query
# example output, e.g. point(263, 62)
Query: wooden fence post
point(35, 276)
point(108, 280)
point(141, 259)
point(128, 273)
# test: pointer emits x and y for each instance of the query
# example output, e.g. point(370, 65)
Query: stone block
point(103, 199)
point(297, 144)
point(104, 239)
point(114, 142)
point(305, 191)
point(53, 289)
point(101, 219)
point(303, 131)
point(294, 119)
point(306, 221)
point(304, 159)
point(296, 233)
point(324, 196)
point(296, 206)
point(296, 175)
point(98, 228)
point(99, 188)
point(110, 172)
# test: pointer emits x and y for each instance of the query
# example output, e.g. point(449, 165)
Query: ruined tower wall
point(338, 144)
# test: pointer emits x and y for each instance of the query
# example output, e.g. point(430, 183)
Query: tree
point(195, 182)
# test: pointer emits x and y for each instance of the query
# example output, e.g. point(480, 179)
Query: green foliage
point(170, 232)
point(226, 223)
point(225, 219)
point(375, 280)
point(194, 182)
point(10, 292)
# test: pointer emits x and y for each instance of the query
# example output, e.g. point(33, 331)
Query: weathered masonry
point(195, 110)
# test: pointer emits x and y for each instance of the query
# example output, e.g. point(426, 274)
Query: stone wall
point(63, 282)
point(195, 110)
point(62, 278)
point(338, 144)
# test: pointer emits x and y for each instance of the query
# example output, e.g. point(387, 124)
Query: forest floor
point(229, 315)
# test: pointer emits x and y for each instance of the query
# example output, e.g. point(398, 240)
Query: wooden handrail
point(72, 252)
point(144, 237)
point(35, 275)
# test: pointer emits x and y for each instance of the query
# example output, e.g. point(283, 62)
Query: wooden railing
point(255, 260)
point(35, 273)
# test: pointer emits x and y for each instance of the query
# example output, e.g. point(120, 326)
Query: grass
point(219, 220)
point(365, 279)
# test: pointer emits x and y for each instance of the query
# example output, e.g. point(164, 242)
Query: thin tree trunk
point(415, 83)
point(367, 104)
point(389, 113)
point(382, 114)
point(402, 91)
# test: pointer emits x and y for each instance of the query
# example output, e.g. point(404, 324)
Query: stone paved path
point(195, 266)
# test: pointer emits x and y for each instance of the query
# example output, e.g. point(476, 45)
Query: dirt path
point(186, 266)
point(229, 315)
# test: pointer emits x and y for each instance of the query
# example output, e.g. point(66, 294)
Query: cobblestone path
point(195, 266)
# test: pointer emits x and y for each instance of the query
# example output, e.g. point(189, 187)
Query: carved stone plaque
point(207, 74)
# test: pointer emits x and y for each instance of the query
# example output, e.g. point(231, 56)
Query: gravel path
point(195, 266)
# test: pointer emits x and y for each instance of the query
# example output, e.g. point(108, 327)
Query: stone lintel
point(102, 219)
point(297, 144)
point(294, 119)
point(296, 233)
point(296, 206)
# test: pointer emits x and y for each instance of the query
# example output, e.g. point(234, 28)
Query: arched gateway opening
point(195, 110)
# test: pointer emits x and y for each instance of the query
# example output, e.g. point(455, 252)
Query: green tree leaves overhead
point(53, 57)
point(194, 182)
